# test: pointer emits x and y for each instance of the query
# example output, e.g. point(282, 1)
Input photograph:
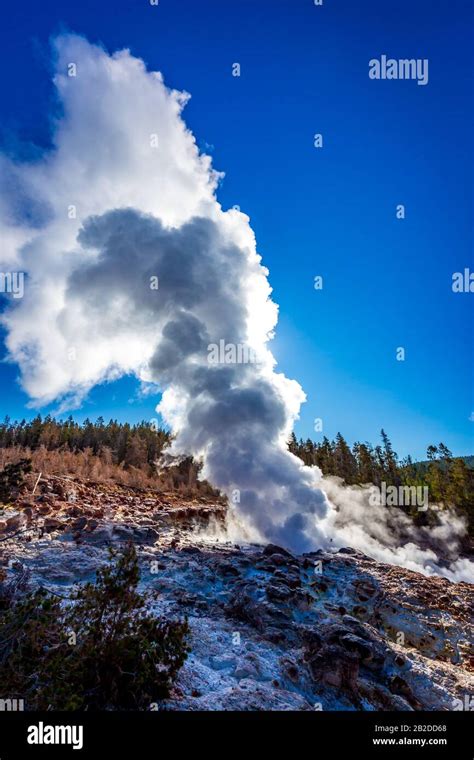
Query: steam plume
point(134, 267)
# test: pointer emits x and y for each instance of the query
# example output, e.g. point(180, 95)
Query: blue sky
point(329, 212)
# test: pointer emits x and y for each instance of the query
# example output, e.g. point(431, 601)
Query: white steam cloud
point(125, 197)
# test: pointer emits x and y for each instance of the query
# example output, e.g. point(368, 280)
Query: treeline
point(449, 479)
point(138, 447)
point(99, 451)
point(131, 445)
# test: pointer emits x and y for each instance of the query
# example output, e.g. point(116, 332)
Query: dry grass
point(101, 469)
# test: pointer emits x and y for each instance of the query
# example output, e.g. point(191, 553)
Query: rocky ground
point(270, 631)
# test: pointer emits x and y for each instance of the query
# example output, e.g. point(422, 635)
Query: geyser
point(145, 212)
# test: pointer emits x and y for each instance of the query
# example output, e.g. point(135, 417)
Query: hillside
point(268, 630)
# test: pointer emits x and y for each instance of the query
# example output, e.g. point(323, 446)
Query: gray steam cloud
point(233, 416)
point(134, 268)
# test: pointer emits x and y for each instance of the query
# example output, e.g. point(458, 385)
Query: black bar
point(445, 734)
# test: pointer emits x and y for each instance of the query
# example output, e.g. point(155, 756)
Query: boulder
point(16, 522)
point(272, 549)
point(52, 523)
point(79, 524)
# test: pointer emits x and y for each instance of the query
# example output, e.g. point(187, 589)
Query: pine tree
point(365, 462)
point(390, 461)
point(344, 460)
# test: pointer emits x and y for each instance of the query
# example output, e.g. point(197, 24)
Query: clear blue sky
point(304, 69)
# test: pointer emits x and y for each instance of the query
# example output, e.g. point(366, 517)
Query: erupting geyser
point(133, 267)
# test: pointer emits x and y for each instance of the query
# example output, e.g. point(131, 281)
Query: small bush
point(12, 589)
point(101, 651)
point(11, 479)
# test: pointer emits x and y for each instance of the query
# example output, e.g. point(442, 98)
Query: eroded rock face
point(269, 630)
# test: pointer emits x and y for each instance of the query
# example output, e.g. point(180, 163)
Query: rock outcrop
point(272, 631)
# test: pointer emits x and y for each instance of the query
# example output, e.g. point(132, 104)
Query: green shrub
point(101, 651)
point(11, 478)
